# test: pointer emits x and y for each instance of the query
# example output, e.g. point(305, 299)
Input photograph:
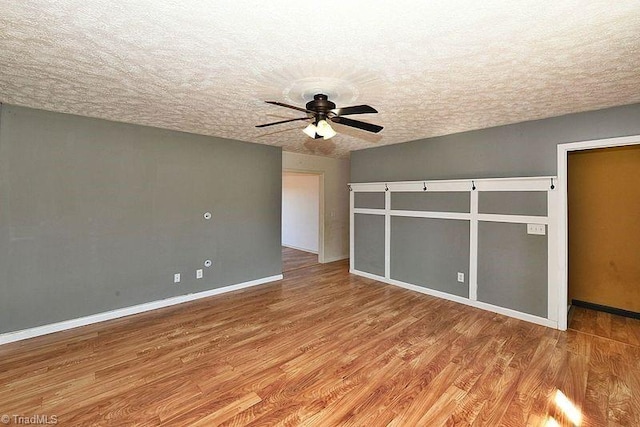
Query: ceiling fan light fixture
point(330, 133)
point(320, 110)
point(310, 130)
point(324, 129)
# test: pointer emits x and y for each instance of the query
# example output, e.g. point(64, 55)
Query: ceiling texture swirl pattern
point(429, 67)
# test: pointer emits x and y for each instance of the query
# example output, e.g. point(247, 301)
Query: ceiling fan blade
point(281, 104)
point(281, 121)
point(356, 124)
point(356, 109)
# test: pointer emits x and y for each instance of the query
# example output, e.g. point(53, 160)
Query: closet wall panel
point(431, 201)
point(430, 252)
point(512, 267)
point(369, 243)
point(369, 200)
point(513, 202)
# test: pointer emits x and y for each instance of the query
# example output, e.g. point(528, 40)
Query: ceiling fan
point(320, 111)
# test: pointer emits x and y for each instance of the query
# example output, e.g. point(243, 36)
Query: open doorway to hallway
point(301, 219)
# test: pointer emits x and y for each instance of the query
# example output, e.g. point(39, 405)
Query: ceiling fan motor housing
point(321, 105)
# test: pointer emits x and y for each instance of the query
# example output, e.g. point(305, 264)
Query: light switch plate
point(539, 229)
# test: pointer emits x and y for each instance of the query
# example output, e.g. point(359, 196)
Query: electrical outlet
point(539, 229)
point(199, 273)
point(460, 277)
point(176, 278)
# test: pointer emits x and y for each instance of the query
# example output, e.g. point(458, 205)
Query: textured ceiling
point(429, 67)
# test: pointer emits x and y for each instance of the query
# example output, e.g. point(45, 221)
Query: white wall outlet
point(539, 229)
point(460, 277)
point(199, 273)
point(176, 278)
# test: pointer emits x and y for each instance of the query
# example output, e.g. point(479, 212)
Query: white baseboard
point(300, 249)
point(462, 300)
point(127, 311)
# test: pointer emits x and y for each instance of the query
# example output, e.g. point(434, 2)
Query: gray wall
point(512, 267)
point(522, 149)
point(369, 243)
point(513, 202)
point(436, 201)
point(97, 215)
point(369, 200)
point(430, 253)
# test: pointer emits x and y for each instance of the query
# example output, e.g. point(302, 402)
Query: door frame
point(320, 176)
point(563, 218)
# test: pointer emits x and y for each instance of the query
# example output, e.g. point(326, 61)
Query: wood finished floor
point(293, 259)
point(618, 328)
point(324, 348)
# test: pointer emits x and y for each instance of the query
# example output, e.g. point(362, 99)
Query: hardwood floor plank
point(596, 401)
point(427, 397)
point(572, 382)
point(603, 324)
point(441, 409)
point(624, 381)
point(228, 411)
point(621, 408)
point(293, 259)
point(468, 410)
point(529, 385)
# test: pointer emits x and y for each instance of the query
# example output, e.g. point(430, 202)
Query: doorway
point(604, 227)
point(609, 188)
point(302, 243)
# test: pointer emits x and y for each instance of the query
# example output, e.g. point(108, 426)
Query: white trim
point(300, 249)
point(563, 221)
point(127, 311)
point(462, 300)
point(432, 186)
point(514, 219)
point(352, 232)
point(366, 188)
point(432, 214)
point(516, 184)
point(552, 255)
point(321, 220)
point(473, 248)
point(387, 234)
point(367, 275)
point(369, 211)
point(536, 183)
